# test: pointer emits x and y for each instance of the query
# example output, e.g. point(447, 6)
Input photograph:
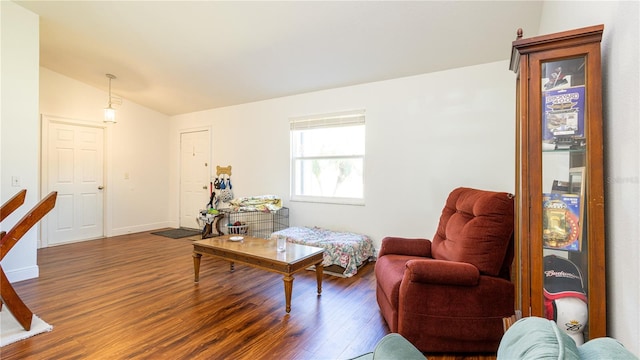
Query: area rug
point(11, 331)
point(177, 233)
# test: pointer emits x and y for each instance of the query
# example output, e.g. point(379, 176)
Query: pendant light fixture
point(110, 112)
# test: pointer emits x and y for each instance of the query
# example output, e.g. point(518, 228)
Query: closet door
point(74, 168)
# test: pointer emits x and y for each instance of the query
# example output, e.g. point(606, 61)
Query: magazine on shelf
point(563, 113)
point(561, 221)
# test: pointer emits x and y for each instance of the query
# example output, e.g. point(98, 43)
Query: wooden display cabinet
point(559, 179)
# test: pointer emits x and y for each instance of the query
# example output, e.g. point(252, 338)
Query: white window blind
point(349, 118)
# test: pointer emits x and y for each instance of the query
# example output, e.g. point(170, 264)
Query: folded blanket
point(264, 203)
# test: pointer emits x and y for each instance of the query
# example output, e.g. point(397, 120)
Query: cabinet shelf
point(571, 151)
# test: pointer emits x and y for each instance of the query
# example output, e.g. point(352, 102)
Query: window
point(327, 158)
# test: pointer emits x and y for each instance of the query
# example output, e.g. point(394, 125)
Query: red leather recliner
point(450, 294)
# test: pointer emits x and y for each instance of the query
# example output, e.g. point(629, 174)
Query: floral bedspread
point(348, 250)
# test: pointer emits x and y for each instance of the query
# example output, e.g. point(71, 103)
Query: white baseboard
point(21, 274)
point(140, 228)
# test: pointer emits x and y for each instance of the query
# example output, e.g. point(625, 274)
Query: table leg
point(196, 266)
point(288, 289)
point(319, 271)
point(216, 222)
point(206, 231)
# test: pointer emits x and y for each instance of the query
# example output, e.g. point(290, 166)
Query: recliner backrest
point(476, 227)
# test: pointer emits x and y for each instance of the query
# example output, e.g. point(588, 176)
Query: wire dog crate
point(255, 223)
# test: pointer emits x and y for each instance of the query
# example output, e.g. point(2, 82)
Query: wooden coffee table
point(262, 254)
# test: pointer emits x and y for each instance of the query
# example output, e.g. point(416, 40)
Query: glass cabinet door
point(564, 239)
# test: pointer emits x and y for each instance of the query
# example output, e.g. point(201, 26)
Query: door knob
point(100, 187)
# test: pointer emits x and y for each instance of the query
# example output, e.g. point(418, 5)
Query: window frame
point(330, 120)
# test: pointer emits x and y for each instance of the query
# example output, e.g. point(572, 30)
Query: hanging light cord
point(111, 77)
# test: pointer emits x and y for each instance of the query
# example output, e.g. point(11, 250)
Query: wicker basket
point(238, 229)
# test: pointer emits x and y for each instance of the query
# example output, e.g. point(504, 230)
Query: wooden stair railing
point(8, 207)
point(8, 295)
point(15, 202)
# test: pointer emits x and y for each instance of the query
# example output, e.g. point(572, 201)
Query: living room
point(426, 134)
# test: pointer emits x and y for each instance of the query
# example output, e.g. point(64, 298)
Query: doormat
point(178, 233)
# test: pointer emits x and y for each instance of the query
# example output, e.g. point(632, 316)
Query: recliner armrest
point(404, 246)
point(442, 272)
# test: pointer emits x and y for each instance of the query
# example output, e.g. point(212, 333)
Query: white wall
point(426, 135)
point(136, 152)
point(620, 54)
point(19, 126)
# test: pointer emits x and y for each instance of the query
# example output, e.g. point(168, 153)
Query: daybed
point(344, 252)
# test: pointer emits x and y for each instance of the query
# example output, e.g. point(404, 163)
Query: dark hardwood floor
point(133, 297)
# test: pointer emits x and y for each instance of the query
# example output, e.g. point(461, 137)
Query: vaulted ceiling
point(183, 56)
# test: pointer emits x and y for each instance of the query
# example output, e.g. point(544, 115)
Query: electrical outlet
point(15, 181)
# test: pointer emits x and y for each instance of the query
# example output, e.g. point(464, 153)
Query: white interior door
point(75, 170)
point(194, 176)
